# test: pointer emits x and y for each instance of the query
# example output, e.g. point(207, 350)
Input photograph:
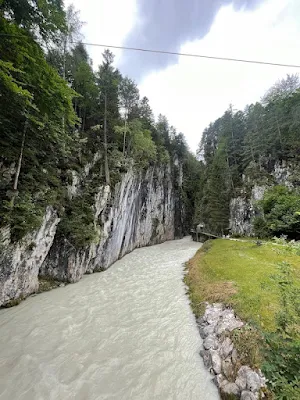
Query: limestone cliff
point(140, 210)
point(243, 208)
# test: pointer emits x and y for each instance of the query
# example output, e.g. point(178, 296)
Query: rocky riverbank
point(222, 359)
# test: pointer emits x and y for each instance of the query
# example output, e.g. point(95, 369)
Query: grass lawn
point(239, 273)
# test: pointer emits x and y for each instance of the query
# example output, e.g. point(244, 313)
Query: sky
point(193, 92)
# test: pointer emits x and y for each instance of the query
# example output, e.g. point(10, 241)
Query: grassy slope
point(238, 273)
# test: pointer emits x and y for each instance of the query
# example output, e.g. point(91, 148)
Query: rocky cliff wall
point(139, 211)
point(243, 208)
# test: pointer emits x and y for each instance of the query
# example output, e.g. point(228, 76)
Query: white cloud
point(195, 92)
point(107, 22)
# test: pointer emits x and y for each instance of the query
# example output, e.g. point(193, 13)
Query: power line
point(174, 53)
point(191, 55)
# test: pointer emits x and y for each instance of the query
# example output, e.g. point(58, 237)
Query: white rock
point(210, 343)
point(230, 388)
point(216, 362)
point(241, 379)
point(226, 348)
point(253, 381)
point(246, 395)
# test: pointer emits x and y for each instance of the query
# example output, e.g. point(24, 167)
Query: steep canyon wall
point(142, 209)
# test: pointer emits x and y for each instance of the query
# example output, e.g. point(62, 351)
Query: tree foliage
point(249, 143)
point(281, 212)
point(57, 112)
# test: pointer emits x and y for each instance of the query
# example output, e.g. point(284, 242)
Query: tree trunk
point(124, 137)
point(83, 120)
point(16, 180)
point(64, 76)
point(64, 59)
point(279, 132)
point(107, 178)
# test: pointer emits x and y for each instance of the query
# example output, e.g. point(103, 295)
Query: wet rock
point(201, 321)
point(207, 330)
point(205, 354)
point(210, 343)
point(219, 379)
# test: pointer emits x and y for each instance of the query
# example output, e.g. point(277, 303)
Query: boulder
point(205, 354)
point(230, 388)
point(246, 395)
point(241, 379)
point(226, 348)
point(210, 343)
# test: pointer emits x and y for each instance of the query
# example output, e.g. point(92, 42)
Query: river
point(124, 334)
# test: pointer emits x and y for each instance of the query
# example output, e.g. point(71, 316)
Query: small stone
point(227, 325)
point(208, 330)
point(227, 368)
point(219, 380)
point(226, 348)
point(205, 354)
point(216, 362)
point(210, 343)
point(234, 356)
point(201, 321)
point(253, 381)
point(201, 331)
point(231, 388)
point(246, 395)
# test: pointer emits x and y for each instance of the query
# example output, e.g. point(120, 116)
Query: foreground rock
point(221, 358)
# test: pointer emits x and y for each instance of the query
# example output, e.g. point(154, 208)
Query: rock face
point(140, 210)
point(220, 356)
point(20, 262)
point(138, 213)
point(243, 207)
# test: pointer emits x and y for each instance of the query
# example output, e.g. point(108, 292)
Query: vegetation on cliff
point(57, 111)
point(241, 148)
point(262, 284)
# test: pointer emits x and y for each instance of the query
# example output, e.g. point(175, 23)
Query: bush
point(77, 224)
point(24, 216)
point(281, 208)
point(260, 227)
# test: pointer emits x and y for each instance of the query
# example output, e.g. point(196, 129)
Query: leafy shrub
point(281, 208)
point(260, 227)
point(25, 216)
point(77, 223)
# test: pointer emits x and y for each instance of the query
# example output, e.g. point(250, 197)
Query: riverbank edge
point(235, 380)
point(45, 285)
point(220, 329)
